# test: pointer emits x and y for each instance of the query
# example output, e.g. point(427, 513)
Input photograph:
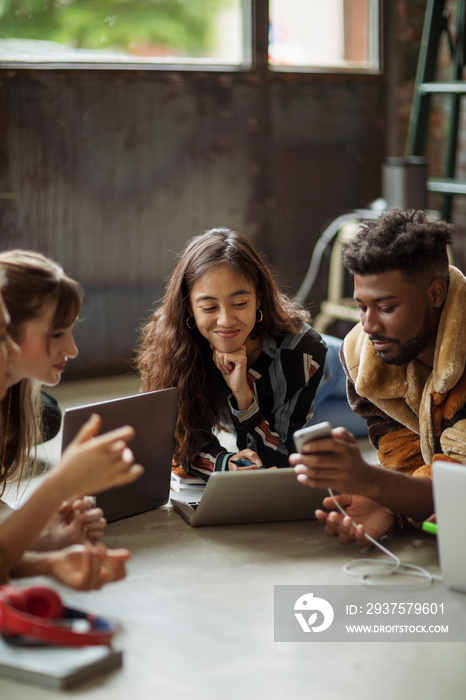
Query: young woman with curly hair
point(242, 355)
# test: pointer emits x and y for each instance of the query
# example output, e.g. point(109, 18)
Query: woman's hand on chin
point(234, 369)
point(231, 361)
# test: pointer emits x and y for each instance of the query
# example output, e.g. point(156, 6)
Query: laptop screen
point(153, 417)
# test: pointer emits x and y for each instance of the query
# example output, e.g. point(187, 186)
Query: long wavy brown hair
point(31, 280)
point(172, 355)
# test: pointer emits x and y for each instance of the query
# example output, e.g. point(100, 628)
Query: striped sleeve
point(212, 458)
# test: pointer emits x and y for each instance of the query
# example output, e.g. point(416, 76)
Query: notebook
point(250, 496)
point(59, 668)
point(153, 416)
point(449, 481)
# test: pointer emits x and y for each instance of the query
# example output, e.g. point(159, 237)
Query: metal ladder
point(436, 22)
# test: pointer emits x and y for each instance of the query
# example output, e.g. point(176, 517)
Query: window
point(123, 31)
point(340, 34)
point(303, 34)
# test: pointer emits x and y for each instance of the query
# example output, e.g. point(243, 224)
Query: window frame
point(255, 54)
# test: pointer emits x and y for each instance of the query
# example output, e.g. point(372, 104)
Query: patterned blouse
point(284, 381)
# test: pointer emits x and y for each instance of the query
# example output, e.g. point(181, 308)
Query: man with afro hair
point(406, 376)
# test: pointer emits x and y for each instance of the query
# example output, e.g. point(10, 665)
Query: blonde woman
point(87, 465)
point(44, 305)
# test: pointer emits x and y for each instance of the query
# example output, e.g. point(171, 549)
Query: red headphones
point(37, 613)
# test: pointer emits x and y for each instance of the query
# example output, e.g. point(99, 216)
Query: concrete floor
point(197, 619)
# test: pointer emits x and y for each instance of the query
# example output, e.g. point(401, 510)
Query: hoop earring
point(261, 317)
point(188, 318)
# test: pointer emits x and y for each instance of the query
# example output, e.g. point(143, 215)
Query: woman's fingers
point(89, 430)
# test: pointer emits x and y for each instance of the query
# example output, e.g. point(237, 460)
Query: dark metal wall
point(110, 172)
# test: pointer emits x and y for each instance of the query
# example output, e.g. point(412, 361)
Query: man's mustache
point(382, 339)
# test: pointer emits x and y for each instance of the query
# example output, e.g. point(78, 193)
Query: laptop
point(449, 480)
point(250, 496)
point(153, 416)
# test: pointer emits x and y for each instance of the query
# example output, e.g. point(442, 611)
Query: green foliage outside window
point(136, 27)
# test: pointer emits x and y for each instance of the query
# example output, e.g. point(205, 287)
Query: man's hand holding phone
point(311, 432)
point(330, 458)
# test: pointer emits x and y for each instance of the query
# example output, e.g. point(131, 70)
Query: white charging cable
point(382, 568)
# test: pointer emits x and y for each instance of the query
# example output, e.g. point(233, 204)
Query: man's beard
point(411, 348)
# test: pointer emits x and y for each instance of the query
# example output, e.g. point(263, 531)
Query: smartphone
point(312, 432)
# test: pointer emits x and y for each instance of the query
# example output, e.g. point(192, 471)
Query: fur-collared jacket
point(415, 415)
